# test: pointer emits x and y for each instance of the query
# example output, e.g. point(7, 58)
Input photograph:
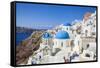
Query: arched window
point(86, 31)
point(61, 44)
point(67, 28)
point(87, 46)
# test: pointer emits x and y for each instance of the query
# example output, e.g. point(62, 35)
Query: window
point(93, 25)
point(61, 44)
point(86, 31)
point(67, 28)
point(87, 46)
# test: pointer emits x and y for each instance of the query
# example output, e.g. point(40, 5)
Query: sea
point(20, 36)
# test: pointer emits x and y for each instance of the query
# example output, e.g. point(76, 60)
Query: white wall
point(5, 33)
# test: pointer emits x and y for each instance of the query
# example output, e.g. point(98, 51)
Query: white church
point(66, 44)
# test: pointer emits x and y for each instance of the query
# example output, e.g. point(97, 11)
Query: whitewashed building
point(61, 40)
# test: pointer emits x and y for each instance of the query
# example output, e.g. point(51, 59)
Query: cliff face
point(27, 47)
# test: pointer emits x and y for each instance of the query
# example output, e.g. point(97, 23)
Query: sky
point(41, 16)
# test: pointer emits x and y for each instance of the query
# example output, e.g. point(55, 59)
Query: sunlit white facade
point(65, 41)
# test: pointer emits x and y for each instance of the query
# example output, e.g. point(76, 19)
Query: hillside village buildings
point(68, 43)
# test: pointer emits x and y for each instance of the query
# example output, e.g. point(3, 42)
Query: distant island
point(25, 29)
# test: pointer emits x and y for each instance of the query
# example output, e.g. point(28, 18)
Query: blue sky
point(48, 16)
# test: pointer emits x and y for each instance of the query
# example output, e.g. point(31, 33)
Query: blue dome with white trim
point(62, 35)
point(67, 24)
point(46, 35)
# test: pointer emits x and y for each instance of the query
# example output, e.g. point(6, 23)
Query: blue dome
point(66, 24)
point(46, 35)
point(62, 35)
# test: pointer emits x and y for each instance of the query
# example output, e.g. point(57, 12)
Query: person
point(33, 61)
point(65, 61)
point(40, 57)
